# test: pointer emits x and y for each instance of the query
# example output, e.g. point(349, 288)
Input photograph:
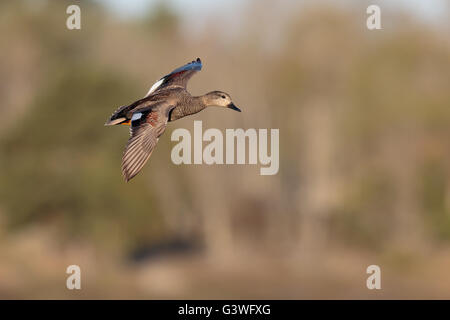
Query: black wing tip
point(197, 61)
point(200, 63)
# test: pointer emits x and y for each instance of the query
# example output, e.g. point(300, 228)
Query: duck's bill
point(232, 106)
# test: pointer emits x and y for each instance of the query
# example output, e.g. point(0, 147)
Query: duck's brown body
point(176, 101)
point(167, 100)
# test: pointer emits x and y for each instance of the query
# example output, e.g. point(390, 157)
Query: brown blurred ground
point(364, 130)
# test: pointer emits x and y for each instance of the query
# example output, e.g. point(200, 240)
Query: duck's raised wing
point(178, 77)
point(146, 128)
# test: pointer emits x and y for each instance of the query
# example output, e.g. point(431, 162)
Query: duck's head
point(219, 99)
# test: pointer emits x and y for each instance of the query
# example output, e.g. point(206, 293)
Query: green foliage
point(161, 20)
point(434, 199)
point(362, 219)
point(64, 165)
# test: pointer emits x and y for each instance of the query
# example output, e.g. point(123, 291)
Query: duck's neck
point(197, 104)
point(187, 107)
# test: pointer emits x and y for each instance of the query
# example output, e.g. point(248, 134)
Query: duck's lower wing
point(145, 132)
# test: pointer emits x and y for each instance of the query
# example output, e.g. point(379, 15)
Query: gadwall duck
point(167, 100)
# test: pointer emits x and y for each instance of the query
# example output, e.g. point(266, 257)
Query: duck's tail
point(118, 117)
point(113, 122)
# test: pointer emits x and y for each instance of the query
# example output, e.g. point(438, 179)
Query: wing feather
point(145, 133)
point(178, 77)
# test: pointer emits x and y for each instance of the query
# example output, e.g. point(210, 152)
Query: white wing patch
point(136, 116)
point(154, 87)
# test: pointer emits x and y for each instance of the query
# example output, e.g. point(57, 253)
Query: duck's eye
point(223, 97)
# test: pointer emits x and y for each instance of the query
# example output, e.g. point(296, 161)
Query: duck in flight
point(167, 100)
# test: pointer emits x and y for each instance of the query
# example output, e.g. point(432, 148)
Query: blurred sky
point(428, 10)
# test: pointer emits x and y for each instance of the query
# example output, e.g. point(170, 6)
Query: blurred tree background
point(364, 129)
